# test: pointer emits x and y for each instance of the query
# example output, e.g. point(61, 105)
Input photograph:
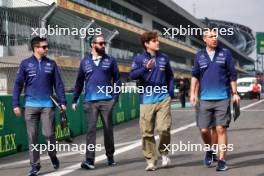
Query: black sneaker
point(221, 166)
point(208, 158)
point(87, 164)
point(34, 170)
point(111, 161)
point(55, 162)
point(215, 158)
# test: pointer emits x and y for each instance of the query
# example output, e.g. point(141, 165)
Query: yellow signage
point(2, 115)
point(62, 132)
point(123, 68)
point(7, 143)
point(66, 62)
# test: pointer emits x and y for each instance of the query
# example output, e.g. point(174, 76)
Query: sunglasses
point(100, 43)
point(43, 47)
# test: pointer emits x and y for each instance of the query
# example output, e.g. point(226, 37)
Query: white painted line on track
point(131, 145)
point(59, 155)
point(75, 167)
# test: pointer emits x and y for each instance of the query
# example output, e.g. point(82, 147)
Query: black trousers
point(183, 100)
point(92, 110)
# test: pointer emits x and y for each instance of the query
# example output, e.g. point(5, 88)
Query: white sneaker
point(151, 167)
point(165, 161)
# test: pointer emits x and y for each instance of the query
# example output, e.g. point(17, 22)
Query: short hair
point(147, 36)
point(36, 40)
point(93, 39)
point(209, 29)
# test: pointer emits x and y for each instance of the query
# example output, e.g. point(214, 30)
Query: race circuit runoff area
point(246, 158)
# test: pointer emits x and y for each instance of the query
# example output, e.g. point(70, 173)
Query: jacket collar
point(148, 55)
point(42, 59)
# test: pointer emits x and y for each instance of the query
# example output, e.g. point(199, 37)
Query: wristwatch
point(234, 93)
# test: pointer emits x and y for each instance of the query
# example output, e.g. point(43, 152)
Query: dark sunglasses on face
point(43, 47)
point(100, 43)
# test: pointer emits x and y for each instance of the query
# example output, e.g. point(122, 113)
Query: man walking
point(212, 135)
point(214, 71)
point(98, 72)
point(256, 91)
point(152, 69)
point(182, 93)
point(38, 75)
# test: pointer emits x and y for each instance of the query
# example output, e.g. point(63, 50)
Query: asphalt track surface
point(246, 159)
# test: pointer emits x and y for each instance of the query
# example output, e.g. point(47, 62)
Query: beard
point(100, 51)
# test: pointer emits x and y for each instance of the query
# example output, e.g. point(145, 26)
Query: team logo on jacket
point(48, 64)
point(134, 65)
point(31, 65)
point(162, 59)
point(87, 66)
point(221, 54)
point(145, 60)
point(106, 64)
point(202, 56)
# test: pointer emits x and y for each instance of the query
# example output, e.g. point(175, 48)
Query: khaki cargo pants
point(151, 115)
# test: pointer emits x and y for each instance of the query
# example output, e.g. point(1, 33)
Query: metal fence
point(20, 20)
